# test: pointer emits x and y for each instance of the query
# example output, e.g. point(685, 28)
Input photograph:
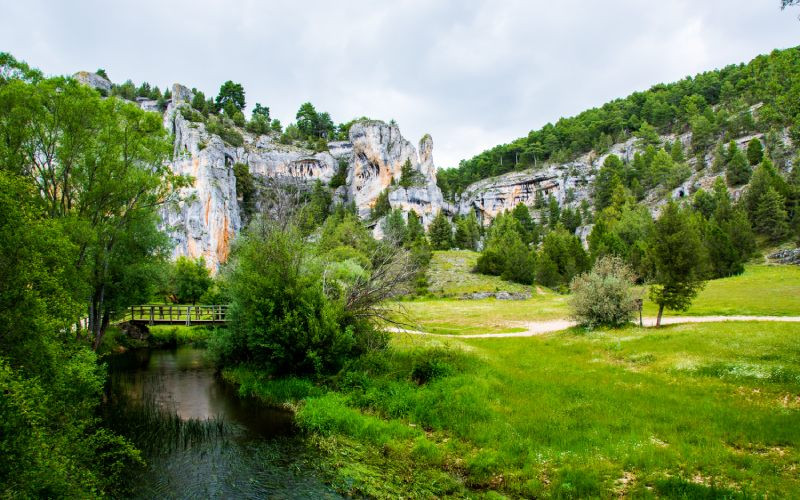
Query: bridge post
point(151, 315)
point(188, 315)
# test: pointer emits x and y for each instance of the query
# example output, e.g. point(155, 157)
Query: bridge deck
point(177, 315)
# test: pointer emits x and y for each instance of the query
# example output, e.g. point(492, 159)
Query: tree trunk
point(660, 312)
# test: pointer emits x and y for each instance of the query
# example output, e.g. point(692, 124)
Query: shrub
point(603, 296)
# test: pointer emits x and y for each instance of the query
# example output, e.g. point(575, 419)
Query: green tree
point(416, 231)
point(505, 254)
point(678, 256)
point(468, 232)
point(608, 178)
point(100, 166)
point(381, 206)
point(283, 315)
point(408, 176)
point(230, 97)
point(191, 279)
point(647, 135)
point(676, 152)
point(738, 169)
point(770, 216)
point(553, 211)
point(395, 230)
point(440, 232)
point(307, 120)
point(755, 152)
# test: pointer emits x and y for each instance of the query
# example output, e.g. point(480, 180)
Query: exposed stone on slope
point(93, 80)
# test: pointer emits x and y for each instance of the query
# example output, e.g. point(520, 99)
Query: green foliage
point(770, 217)
point(440, 232)
point(606, 181)
point(738, 170)
point(245, 188)
point(408, 176)
point(226, 132)
point(381, 206)
point(604, 296)
point(312, 124)
point(191, 279)
point(678, 258)
point(394, 227)
point(230, 98)
point(282, 316)
point(755, 152)
point(468, 232)
point(560, 259)
point(505, 254)
point(528, 230)
point(692, 103)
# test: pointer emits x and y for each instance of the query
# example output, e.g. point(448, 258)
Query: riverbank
point(572, 413)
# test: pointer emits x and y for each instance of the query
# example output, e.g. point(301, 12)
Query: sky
point(471, 73)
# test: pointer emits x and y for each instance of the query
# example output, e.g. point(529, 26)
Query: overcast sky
point(473, 74)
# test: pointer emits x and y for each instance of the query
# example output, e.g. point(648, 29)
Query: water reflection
point(169, 396)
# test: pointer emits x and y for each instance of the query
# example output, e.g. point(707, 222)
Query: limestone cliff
point(209, 214)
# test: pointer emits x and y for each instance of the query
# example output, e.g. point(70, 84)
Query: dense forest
point(760, 96)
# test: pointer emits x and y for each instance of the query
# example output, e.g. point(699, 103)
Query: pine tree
point(528, 231)
point(416, 231)
point(738, 169)
point(553, 211)
point(394, 227)
point(467, 232)
point(770, 216)
point(677, 152)
point(678, 256)
point(381, 206)
point(755, 152)
point(440, 232)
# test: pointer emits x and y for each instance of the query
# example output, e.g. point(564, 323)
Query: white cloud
point(473, 73)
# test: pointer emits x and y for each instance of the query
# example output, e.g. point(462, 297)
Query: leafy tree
point(604, 296)
point(102, 72)
point(440, 232)
point(230, 97)
point(262, 111)
point(191, 279)
point(570, 219)
point(99, 166)
point(678, 257)
point(283, 315)
point(702, 133)
point(755, 152)
point(199, 102)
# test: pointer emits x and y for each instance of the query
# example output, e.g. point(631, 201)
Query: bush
point(226, 133)
point(282, 315)
point(604, 296)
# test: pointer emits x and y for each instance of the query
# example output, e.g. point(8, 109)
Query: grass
point(761, 290)
point(450, 275)
point(175, 335)
point(701, 410)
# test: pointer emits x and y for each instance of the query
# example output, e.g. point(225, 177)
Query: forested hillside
point(716, 106)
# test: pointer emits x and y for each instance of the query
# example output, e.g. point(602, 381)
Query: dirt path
point(541, 327)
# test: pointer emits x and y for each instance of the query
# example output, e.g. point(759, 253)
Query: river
point(199, 438)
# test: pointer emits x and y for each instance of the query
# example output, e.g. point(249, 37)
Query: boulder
point(94, 80)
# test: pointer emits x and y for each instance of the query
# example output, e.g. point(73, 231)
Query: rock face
point(378, 153)
point(93, 80)
point(208, 216)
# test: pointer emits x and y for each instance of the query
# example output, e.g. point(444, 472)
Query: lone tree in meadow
point(677, 253)
point(604, 296)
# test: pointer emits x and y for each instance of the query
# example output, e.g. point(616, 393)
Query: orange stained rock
point(223, 240)
point(208, 207)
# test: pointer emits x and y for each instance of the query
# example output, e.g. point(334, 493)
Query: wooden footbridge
point(177, 315)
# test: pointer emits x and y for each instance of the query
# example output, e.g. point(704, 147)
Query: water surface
point(199, 438)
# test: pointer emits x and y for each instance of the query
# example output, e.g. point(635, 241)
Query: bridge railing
point(154, 314)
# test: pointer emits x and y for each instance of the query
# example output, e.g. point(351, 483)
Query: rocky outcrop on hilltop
point(93, 80)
